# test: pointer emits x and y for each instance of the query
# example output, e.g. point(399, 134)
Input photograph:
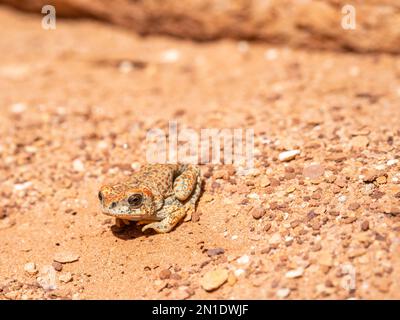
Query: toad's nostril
point(113, 205)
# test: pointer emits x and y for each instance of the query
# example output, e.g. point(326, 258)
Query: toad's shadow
point(132, 231)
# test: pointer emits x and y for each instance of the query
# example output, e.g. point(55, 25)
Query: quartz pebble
point(283, 293)
point(296, 273)
point(47, 278)
point(30, 268)
point(288, 155)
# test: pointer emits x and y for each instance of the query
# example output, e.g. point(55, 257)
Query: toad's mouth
point(129, 216)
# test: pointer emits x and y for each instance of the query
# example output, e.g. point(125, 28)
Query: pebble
point(215, 252)
point(313, 171)
point(18, 108)
point(288, 155)
point(354, 206)
point(296, 273)
point(78, 165)
point(283, 293)
point(365, 225)
point(392, 162)
point(275, 239)
point(370, 175)
point(30, 268)
point(243, 259)
point(57, 266)
point(170, 56)
point(264, 182)
point(65, 257)
point(47, 278)
point(65, 277)
point(257, 212)
point(214, 279)
point(165, 274)
point(231, 278)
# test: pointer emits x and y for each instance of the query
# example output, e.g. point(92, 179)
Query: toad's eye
point(100, 195)
point(135, 200)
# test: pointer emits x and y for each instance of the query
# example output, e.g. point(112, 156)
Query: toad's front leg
point(168, 223)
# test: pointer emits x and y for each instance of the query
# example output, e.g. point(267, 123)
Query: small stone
point(78, 165)
point(291, 189)
point(354, 206)
point(340, 182)
point(288, 155)
point(296, 273)
point(196, 216)
point(65, 257)
point(370, 175)
point(313, 171)
point(231, 278)
point(243, 259)
point(267, 226)
point(275, 239)
point(170, 56)
point(18, 108)
point(47, 278)
point(30, 268)
point(257, 212)
point(215, 252)
point(381, 180)
point(214, 279)
point(66, 277)
point(57, 266)
point(359, 142)
point(365, 225)
point(283, 293)
point(165, 274)
point(264, 182)
point(392, 162)
point(181, 293)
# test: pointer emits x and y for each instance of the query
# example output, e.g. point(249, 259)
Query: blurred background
point(310, 23)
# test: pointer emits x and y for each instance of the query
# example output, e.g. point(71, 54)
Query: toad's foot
point(168, 223)
point(121, 222)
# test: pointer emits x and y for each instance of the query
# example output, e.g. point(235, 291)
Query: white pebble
point(22, 186)
point(238, 272)
point(170, 56)
point(234, 237)
point(283, 293)
point(18, 107)
point(392, 162)
point(253, 196)
point(271, 54)
point(78, 165)
point(30, 268)
point(296, 273)
point(125, 66)
point(243, 260)
point(288, 155)
point(275, 239)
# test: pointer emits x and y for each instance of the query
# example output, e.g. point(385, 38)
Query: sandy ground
point(73, 115)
